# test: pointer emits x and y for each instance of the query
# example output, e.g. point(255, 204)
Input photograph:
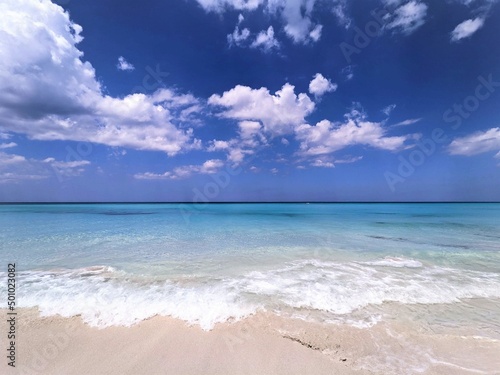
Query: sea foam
point(104, 296)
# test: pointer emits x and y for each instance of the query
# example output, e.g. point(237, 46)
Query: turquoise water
point(117, 264)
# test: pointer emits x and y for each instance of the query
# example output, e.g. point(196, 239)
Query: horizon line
point(240, 202)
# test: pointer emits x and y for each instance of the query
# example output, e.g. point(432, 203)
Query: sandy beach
point(261, 344)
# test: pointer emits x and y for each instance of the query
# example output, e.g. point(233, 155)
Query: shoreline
point(261, 344)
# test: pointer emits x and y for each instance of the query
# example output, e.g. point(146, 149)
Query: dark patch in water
point(389, 238)
point(486, 235)
point(111, 213)
point(401, 239)
point(453, 246)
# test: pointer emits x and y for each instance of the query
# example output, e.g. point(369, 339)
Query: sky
point(249, 100)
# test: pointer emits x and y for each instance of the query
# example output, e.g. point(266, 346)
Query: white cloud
point(208, 167)
point(274, 170)
point(265, 40)
point(319, 85)
point(348, 72)
point(323, 164)
point(326, 137)
point(476, 143)
point(67, 168)
point(466, 29)
point(237, 148)
point(49, 93)
point(348, 160)
point(315, 34)
point(15, 168)
point(297, 16)
point(285, 141)
point(339, 10)
point(124, 64)
point(237, 154)
point(278, 113)
point(10, 159)
point(248, 129)
point(220, 5)
point(408, 122)
point(7, 145)
point(329, 162)
point(238, 37)
point(408, 17)
point(217, 145)
point(388, 110)
point(261, 115)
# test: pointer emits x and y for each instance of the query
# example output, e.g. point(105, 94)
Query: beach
point(253, 288)
point(263, 344)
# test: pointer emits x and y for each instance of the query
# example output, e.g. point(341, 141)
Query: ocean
point(434, 266)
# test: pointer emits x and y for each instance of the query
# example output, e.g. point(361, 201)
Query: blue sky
point(249, 100)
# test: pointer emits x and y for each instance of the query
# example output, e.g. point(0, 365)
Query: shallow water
point(436, 266)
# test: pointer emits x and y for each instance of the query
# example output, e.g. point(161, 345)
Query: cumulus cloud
point(327, 137)
point(320, 85)
point(408, 17)
point(278, 113)
point(261, 115)
point(208, 167)
point(250, 137)
point(297, 15)
point(265, 40)
point(466, 29)
point(299, 25)
point(217, 145)
point(124, 64)
point(238, 37)
point(476, 143)
point(49, 93)
point(249, 129)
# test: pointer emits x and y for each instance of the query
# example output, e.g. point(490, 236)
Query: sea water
point(436, 265)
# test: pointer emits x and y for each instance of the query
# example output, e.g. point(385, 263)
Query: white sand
point(263, 344)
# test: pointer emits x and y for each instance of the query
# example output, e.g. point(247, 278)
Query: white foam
point(397, 262)
point(343, 288)
point(103, 296)
point(103, 301)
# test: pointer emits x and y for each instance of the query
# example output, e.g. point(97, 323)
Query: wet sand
point(261, 344)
